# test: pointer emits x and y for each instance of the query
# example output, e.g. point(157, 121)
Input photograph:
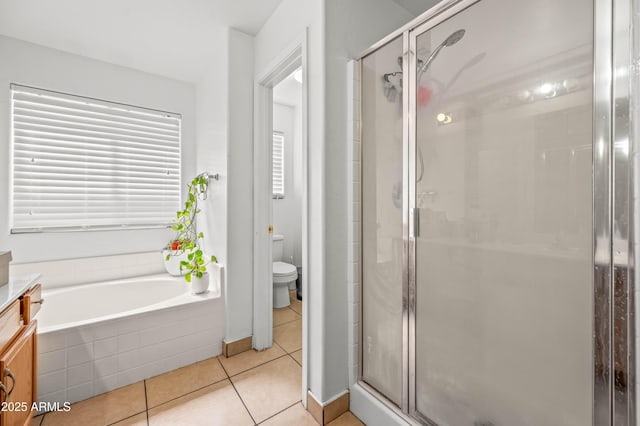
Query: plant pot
point(173, 264)
point(200, 285)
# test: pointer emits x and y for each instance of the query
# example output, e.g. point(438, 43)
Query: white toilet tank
point(277, 245)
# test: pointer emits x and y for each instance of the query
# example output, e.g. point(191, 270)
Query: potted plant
point(182, 254)
point(195, 268)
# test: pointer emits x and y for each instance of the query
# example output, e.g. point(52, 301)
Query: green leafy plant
point(187, 238)
point(196, 264)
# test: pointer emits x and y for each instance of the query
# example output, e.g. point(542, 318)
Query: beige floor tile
point(347, 419)
point(289, 335)
point(296, 305)
point(270, 388)
point(249, 359)
point(36, 421)
point(297, 355)
point(283, 315)
point(102, 409)
point(295, 415)
point(173, 384)
point(217, 404)
point(137, 420)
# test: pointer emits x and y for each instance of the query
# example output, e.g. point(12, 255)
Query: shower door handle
point(415, 222)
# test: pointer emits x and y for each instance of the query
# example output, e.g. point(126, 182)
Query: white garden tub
point(93, 338)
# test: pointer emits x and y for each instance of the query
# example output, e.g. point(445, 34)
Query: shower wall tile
point(356, 150)
point(354, 228)
point(356, 171)
point(357, 213)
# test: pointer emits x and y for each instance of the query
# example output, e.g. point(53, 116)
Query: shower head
point(453, 38)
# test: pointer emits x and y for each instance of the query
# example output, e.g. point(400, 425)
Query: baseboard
point(236, 347)
point(329, 411)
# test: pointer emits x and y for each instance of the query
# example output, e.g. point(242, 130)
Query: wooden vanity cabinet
point(18, 359)
point(18, 375)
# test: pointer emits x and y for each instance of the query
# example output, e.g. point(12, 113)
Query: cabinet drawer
point(31, 303)
point(9, 323)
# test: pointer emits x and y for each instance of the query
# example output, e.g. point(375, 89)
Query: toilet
point(284, 274)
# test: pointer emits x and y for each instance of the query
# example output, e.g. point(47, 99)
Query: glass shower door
point(382, 221)
point(502, 190)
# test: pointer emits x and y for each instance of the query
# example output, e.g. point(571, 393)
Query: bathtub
point(93, 338)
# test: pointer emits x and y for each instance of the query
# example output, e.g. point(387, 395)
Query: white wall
point(39, 66)
point(239, 265)
point(351, 27)
point(337, 30)
point(287, 212)
point(287, 24)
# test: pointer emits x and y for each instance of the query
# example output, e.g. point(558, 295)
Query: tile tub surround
point(81, 362)
point(62, 273)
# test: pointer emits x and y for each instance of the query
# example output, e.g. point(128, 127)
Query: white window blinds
point(277, 154)
point(81, 163)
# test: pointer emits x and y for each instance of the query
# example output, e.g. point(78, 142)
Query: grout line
point(128, 417)
point(278, 345)
point(188, 393)
point(146, 401)
point(237, 393)
point(224, 369)
point(300, 364)
point(243, 404)
point(281, 411)
point(259, 365)
point(287, 322)
point(191, 391)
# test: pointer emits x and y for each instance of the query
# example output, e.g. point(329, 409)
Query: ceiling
point(166, 37)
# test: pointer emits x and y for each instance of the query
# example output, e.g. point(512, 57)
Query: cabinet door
point(17, 372)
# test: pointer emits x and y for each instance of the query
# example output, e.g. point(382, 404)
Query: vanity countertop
point(15, 288)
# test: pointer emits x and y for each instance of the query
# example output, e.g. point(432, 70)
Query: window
point(81, 163)
point(277, 161)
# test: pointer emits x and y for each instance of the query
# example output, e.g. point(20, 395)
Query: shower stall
point(496, 209)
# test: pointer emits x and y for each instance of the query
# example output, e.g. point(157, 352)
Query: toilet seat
point(284, 273)
point(281, 269)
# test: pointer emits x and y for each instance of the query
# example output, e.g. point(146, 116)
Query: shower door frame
point(614, 391)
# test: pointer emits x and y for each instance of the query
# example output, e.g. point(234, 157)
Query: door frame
point(287, 61)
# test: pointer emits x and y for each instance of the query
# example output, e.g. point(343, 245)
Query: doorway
point(280, 204)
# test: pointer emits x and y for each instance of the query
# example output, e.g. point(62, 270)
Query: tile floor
point(247, 389)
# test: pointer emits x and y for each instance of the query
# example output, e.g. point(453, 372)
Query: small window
point(278, 165)
point(81, 163)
